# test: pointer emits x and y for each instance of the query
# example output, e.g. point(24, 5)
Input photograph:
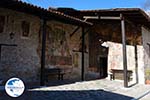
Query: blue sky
point(88, 4)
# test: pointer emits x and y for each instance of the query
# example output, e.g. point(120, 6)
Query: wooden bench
point(119, 74)
point(52, 72)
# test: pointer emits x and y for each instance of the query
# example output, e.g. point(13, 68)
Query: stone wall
point(140, 59)
point(115, 60)
point(146, 40)
point(23, 60)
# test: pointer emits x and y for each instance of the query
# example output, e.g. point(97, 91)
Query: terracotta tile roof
point(41, 12)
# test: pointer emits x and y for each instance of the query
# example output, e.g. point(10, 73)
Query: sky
point(89, 4)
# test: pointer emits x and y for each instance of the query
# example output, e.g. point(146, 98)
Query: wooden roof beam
point(90, 17)
point(110, 18)
point(102, 17)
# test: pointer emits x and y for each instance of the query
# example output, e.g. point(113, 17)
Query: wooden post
point(82, 63)
point(124, 50)
point(136, 63)
point(0, 52)
point(43, 31)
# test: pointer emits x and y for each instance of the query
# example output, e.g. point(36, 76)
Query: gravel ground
point(88, 90)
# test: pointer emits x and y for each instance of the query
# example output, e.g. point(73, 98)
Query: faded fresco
point(63, 50)
point(57, 50)
point(115, 59)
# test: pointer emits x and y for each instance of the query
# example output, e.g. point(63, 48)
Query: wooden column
point(0, 52)
point(43, 32)
point(124, 50)
point(136, 63)
point(82, 63)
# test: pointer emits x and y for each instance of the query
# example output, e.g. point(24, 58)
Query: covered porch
point(118, 41)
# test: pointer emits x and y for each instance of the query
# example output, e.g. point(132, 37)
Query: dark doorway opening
point(103, 67)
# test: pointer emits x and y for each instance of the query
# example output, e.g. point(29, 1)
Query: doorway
point(103, 67)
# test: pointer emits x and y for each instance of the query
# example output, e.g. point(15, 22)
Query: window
point(25, 28)
point(2, 22)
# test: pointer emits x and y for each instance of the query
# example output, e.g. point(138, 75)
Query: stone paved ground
point(90, 90)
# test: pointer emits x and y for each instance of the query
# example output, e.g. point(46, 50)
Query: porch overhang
point(134, 16)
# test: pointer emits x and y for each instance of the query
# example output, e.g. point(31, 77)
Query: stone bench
point(119, 74)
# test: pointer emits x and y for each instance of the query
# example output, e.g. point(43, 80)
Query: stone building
point(24, 52)
point(112, 41)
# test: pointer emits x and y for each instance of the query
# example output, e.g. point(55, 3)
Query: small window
point(25, 29)
point(2, 22)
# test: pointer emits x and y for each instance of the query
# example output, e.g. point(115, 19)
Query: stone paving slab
point(88, 90)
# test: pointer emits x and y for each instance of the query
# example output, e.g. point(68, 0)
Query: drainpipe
point(43, 31)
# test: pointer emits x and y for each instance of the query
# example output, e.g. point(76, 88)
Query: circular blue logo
point(14, 87)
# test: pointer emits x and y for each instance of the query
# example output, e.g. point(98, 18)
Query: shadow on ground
point(67, 95)
point(50, 83)
point(54, 83)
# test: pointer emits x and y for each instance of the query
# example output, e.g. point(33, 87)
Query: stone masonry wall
point(115, 59)
point(146, 40)
point(23, 60)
